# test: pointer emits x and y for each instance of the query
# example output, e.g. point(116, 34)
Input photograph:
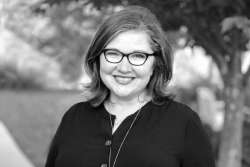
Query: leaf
point(240, 22)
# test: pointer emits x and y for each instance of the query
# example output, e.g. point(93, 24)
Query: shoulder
point(80, 106)
point(186, 117)
point(77, 109)
point(175, 109)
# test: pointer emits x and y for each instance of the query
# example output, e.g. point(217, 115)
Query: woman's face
point(123, 79)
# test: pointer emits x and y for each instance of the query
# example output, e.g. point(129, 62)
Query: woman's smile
point(123, 80)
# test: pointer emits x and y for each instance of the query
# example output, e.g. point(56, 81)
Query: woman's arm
point(197, 148)
point(58, 137)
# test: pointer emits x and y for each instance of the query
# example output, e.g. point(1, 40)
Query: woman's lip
point(121, 76)
point(124, 80)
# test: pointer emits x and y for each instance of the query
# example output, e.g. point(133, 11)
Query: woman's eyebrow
point(135, 51)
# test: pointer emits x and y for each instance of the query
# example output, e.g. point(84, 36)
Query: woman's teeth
point(123, 80)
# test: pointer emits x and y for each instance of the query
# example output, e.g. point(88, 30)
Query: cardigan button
point(104, 165)
point(108, 142)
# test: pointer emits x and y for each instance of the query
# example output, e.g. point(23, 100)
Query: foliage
point(239, 22)
point(73, 30)
point(63, 33)
point(10, 78)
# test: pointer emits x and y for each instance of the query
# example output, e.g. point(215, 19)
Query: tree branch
point(211, 47)
point(215, 54)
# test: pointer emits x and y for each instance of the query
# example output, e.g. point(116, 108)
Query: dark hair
point(130, 18)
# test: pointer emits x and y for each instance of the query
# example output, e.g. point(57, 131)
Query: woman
point(130, 121)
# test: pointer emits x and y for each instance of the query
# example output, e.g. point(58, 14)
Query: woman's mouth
point(124, 80)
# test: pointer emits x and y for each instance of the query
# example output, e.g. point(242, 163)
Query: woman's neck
point(122, 107)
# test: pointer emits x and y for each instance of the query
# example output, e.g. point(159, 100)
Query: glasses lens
point(137, 58)
point(113, 56)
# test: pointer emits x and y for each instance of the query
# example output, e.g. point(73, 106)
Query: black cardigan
point(167, 135)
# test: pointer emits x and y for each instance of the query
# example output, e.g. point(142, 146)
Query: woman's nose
point(124, 66)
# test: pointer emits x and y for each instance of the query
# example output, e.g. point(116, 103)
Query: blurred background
point(43, 44)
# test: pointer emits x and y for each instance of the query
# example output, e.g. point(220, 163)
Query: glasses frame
point(126, 55)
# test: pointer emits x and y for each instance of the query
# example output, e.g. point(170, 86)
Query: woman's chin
point(123, 95)
point(126, 94)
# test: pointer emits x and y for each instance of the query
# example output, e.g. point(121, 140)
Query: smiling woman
point(123, 79)
point(130, 120)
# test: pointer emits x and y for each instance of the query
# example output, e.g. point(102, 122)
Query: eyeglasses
point(135, 58)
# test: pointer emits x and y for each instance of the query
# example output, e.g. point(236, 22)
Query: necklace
point(123, 140)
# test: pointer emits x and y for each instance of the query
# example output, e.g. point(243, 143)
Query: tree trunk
point(230, 154)
point(246, 140)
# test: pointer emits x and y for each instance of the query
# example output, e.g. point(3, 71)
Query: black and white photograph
point(126, 83)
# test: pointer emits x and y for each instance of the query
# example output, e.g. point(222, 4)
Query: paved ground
point(10, 153)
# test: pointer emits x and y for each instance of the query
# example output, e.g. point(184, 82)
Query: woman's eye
point(138, 56)
point(112, 53)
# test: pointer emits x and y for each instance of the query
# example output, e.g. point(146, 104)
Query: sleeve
point(54, 145)
point(50, 162)
point(197, 147)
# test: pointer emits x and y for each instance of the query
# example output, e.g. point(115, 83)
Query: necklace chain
point(124, 138)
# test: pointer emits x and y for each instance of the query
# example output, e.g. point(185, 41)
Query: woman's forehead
point(131, 40)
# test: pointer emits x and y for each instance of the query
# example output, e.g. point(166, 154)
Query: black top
point(167, 135)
